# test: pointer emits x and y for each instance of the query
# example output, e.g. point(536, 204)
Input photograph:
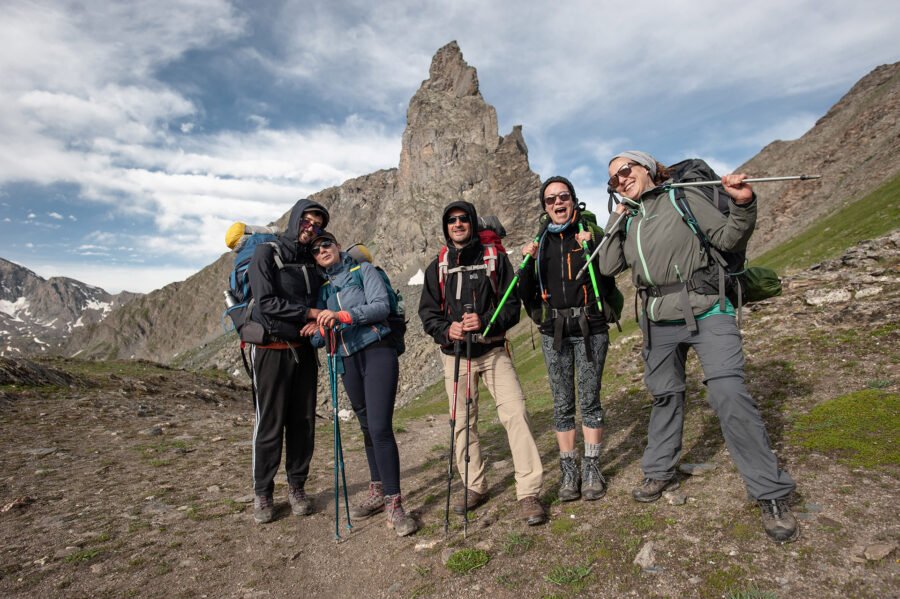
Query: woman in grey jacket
point(354, 299)
point(676, 281)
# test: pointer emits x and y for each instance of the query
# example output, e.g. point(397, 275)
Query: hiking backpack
point(396, 319)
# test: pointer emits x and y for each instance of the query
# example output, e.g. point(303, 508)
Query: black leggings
point(370, 378)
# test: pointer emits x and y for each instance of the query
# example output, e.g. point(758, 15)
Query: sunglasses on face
point(320, 246)
point(624, 171)
point(308, 225)
point(462, 218)
point(564, 196)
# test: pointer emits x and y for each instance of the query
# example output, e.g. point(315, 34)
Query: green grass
point(860, 428)
point(85, 555)
point(872, 216)
point(570, 576)
point(466, 560)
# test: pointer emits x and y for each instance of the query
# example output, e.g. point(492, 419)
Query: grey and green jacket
point(662, 251)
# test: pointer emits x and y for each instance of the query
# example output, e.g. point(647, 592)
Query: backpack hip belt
point(559, 317)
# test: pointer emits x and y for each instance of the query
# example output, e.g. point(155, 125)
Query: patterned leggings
point(561, 368)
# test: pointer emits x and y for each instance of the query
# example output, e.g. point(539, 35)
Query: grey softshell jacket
point(661, 249)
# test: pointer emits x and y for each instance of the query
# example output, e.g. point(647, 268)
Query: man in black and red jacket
point(473, 270)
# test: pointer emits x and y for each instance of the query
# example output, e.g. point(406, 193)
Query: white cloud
point(55, 215)
point(133, 277)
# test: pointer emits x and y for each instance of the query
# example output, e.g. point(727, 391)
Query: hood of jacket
point(292, 250)
point(473, 249)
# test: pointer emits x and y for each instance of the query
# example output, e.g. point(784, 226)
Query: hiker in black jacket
point(682, 309)
point(468, 271)
point(574, 335)
point(285, 372)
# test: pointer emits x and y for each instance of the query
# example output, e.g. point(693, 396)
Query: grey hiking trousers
point(719, 347)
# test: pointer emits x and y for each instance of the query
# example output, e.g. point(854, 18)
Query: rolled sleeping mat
point(238, 232)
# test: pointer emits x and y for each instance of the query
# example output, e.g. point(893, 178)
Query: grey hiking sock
point(568, 454)
point(592, 450)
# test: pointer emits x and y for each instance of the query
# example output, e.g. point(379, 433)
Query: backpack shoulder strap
point(491, 255)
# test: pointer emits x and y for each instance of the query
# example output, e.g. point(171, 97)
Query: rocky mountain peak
point(450, 73)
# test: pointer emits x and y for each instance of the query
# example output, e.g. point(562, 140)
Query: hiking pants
point(499, 376)
point(562, 366)
point(719, 347)
point(285, 412)
point(370, 378)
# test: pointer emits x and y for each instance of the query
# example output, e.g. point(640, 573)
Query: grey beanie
point(642, 158)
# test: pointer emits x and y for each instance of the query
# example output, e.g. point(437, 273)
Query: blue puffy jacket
point(368, 305)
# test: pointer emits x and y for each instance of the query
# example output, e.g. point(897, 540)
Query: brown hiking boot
point(475, 499)
point(301, 505)
point(397, 518)
point(372, 504)
point(263, 509)
point(652, 489)
point(778, 520)
point(532, 510)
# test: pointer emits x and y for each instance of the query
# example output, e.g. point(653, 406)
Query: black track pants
point(285, 411)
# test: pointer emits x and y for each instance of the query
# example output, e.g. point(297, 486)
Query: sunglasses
point(462, 218)
point(565, 196)
point(624, 171)
point(320, 246)
point(306, 225)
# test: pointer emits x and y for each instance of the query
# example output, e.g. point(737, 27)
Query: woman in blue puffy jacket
point(354, 300)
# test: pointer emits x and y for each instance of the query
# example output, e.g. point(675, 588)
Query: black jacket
point(282, 296)
point(559, 259)
point(476, 289)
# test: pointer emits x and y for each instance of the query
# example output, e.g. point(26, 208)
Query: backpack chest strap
point(459, 270)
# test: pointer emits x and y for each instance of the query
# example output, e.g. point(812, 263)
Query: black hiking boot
point(570, 482)
point(372, 504)
point(593, 485)
point(652, 489)
point(263, 509)
point(778, 520)
point(301, 505)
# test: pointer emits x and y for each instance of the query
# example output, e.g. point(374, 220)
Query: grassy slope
point(867, 218)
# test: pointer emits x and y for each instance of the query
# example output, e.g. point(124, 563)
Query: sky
point(132, 134)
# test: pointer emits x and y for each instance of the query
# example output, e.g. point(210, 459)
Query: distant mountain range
point(451, 150)
point(39, 315)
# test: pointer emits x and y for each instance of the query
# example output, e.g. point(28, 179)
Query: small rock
point(813, 508)
point(153, 431)
point(345, 414)
point(244, 499)
point(395, 588)
point(97, 569)
point(694, 580)
point(446, 554)
point(675, 498)
point(878, 551)
point(645, 558)
point(696, 469)
point(425, 545)
point(484, 545)
point(216, 439)
point(213, 489)
point(820, 297)
point(868, 292)
point(500, 465)
point(41, 451)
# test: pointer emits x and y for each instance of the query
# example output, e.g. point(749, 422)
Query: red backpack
point(493, 248)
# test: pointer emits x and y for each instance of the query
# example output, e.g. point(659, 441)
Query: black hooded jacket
point(282, 296)
point(437, 315)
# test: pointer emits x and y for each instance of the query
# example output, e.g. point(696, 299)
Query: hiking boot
point(532, 510)
point(372, 504)
point(778, 521)
point(263, 509)
point(475, 499)
point(570, 483)
point(593, 484)
point(301, 505)
point(397, 518)
point(652, 489)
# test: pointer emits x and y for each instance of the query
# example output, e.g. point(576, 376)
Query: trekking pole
point(590, 265)
point(545, 222)
point(596, 250)
point(468, 309)
point(456, 355)
point(340, 440)
point(331, 342)
point(757, 180)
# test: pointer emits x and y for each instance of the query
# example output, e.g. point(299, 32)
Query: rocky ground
point(132, 479)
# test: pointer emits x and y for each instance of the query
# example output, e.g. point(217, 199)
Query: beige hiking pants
point(500, 378)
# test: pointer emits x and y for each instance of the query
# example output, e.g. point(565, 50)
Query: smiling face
point(310, 225)
point(633, 179)
point(459, 229)
point(326, 252)
point(559, 203)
